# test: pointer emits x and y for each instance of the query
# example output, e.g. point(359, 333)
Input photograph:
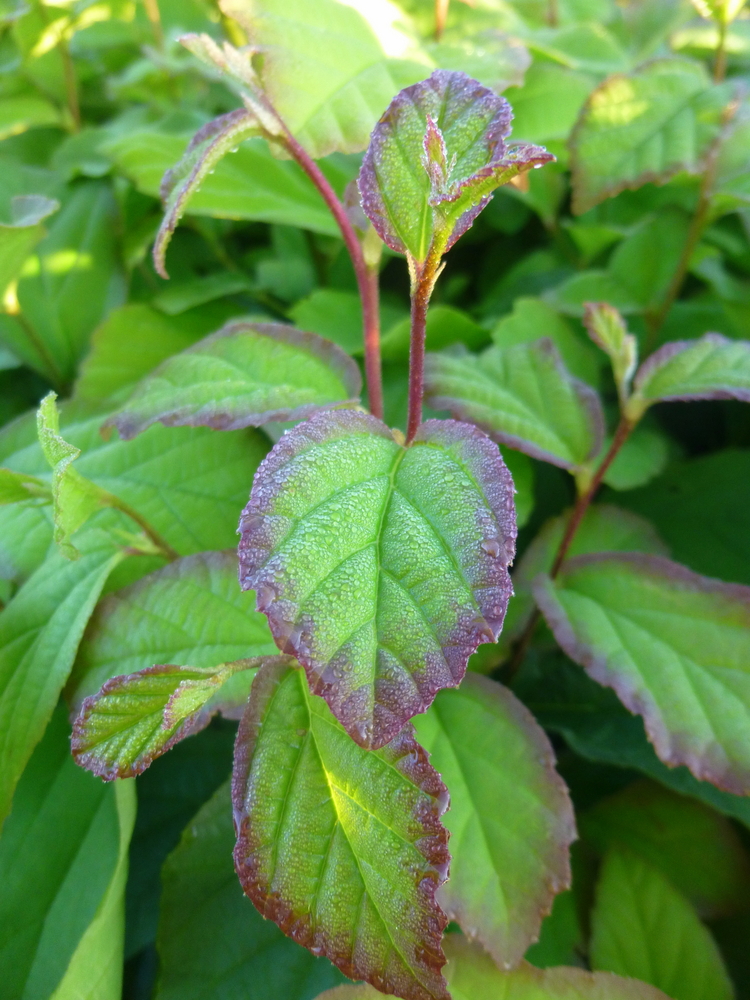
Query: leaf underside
point(380, 568)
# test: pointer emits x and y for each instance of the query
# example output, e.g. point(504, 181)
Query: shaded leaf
point(244, 375)
point(510, 821)
point(445, 325)
point(19, 236)
point(674, 645)
point(303, 791)
point(524, 397)
point(643, 456)
point(381, 568)
point(643, 927)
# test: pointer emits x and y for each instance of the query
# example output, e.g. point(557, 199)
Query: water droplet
point(492, 547)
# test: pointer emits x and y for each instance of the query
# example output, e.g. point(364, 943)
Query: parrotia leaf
point(643, 927)
point(674, 645)
point(435, 158)
point(524, 397)
point(380, 567)
point(712, 367)
point(511, 821)
point(137, 717)
point(342, 848)
point(244, 375)
point(643, 126)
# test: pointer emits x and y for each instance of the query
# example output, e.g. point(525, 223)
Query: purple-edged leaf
point(712, 367)
point(209, 145)
point(342, 848)
point(137, 717)
point(524, 397)
point(380, 567)
point(511, 820)
point(674, 645)
point(434, 159)
point(242, 376)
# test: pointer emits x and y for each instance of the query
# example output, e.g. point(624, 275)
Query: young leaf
point(244, 375)
point(643, 126)
point(712, 367)
point(674, 645)
point(136, 718)
point(643, 927)
point(434, 160)
point(16, 487)
point(342, 848)
point(511, 821)
point(19, 236)
point(211, 940)
point(380, 567)
point(39, 634)
point(607, 329)
point(524, 397)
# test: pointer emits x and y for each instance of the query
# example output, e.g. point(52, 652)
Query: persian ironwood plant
point(395, 814)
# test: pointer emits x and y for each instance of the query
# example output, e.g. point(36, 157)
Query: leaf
point(723, 11)
point(137, 717)
point(301, 792)
point(712, 367)
point(190, 612)
point(545, 108)
point(674, 645)
point(643, 927)
point(39, 634)
point(244, 375)
point(643, 456)
point(696, 848)
point(524, 397)
point(212, 941)
point(333, 314)
point(207, 147)
point(16, 487)
point(381, 568)
point(472, 975)
point(445, 325)
point(511, 821)
point(607, 329)
point(19, 236)
point(643, 127)
point(434, 160)
point(67, 837)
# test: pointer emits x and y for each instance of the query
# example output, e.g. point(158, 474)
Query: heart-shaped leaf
point(242, 376)
point(434, 160)
point(511, 821)
point(523, 396)
point(342, 848)
point(380, 567)
point(674, 645)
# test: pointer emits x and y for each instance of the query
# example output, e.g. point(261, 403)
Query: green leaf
point(723, 11)
point(212, 941)
point(712, 367)
point(190, 612)
point(19, 113)
point(40, 630)
point(521, 469)
point(244, 375)
point(332, 314)
point(511, 821)
point(644, 126)
point(445, 325)
point(380, 567)
point(16, 487)
point(675, 646)
point(137, 717)
point(643, 456)
point(644, 263)
point(67, 837)
point(547, 105)
point(607, 329)
point(434, 160)
point(19, 236)
point(301, 792)
point(643, 927)
point(696, 848)
point(524, 397)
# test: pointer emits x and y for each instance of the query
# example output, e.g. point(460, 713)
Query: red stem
point(424, 277)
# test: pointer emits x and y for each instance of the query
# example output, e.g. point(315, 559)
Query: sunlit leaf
point(19, 236)
point(380, 567)
point(723, 11)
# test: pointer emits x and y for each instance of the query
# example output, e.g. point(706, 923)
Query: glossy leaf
point(712, 367)
point(643, 126)
point(67, 837)
point(674, 645)
point(607, 329)
point(303, 791)
point(136, 718)
point(434, 160)
point(190, 612)
point(524, 397)
point(511, 821)
point(643, 927)
point(245, 375)
point(40, 630)
point(19, 236)
point(381, 568)
point(211, 939)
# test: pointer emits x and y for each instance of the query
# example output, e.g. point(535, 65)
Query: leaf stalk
point(424, 277)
